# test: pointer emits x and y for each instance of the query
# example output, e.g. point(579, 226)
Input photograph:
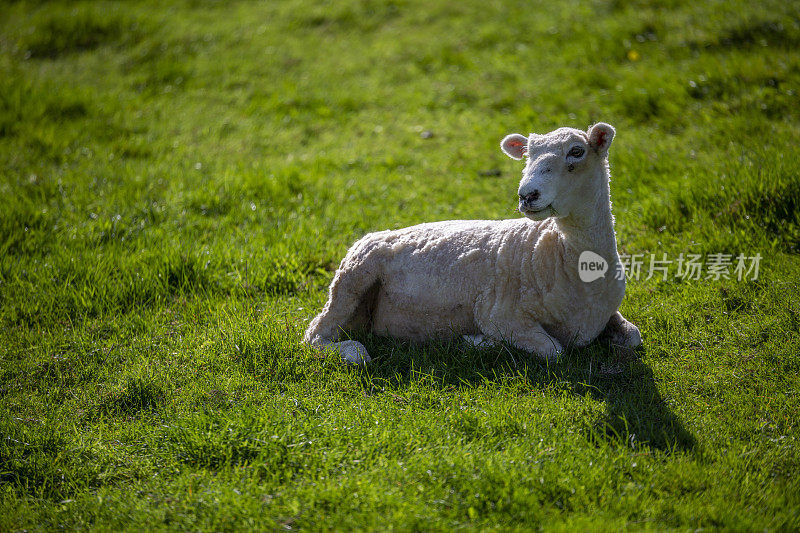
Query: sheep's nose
point(530, 197)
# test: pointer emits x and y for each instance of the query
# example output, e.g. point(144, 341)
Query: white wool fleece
point(508, 280)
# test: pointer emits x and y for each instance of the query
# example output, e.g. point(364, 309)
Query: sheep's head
point(564, 170)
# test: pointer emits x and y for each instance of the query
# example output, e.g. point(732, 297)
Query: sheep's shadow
point(636, 411)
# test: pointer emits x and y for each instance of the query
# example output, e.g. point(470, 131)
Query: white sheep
point(489, 281)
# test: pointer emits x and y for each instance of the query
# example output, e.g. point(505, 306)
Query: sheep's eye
point(575, 151)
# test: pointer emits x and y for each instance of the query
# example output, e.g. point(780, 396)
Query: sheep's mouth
point(528, 211)
point(538, 214)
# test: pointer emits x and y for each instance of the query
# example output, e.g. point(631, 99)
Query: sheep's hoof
point(621, 333)
point(352, 352)
point(551, 356)
point(552, 352)
point(634, 337)
point(628, 338)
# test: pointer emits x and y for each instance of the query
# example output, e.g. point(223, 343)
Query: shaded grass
point(75, 27)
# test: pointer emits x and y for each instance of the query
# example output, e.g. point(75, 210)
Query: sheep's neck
point(593, 230)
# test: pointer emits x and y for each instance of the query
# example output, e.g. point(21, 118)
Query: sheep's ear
point(600, 137)
point(515, 145)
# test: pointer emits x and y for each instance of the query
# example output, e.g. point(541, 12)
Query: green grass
point(180, 181)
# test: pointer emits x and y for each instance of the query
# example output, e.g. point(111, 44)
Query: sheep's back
point(432, 274)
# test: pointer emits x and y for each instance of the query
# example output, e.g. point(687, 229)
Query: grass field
point(179, 181)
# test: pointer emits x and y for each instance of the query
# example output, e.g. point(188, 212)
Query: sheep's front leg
point(480, 340)
point(533, 339)
point(538, 341)
point(621, 332)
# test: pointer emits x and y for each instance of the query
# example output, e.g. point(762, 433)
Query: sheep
point(491, 281)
